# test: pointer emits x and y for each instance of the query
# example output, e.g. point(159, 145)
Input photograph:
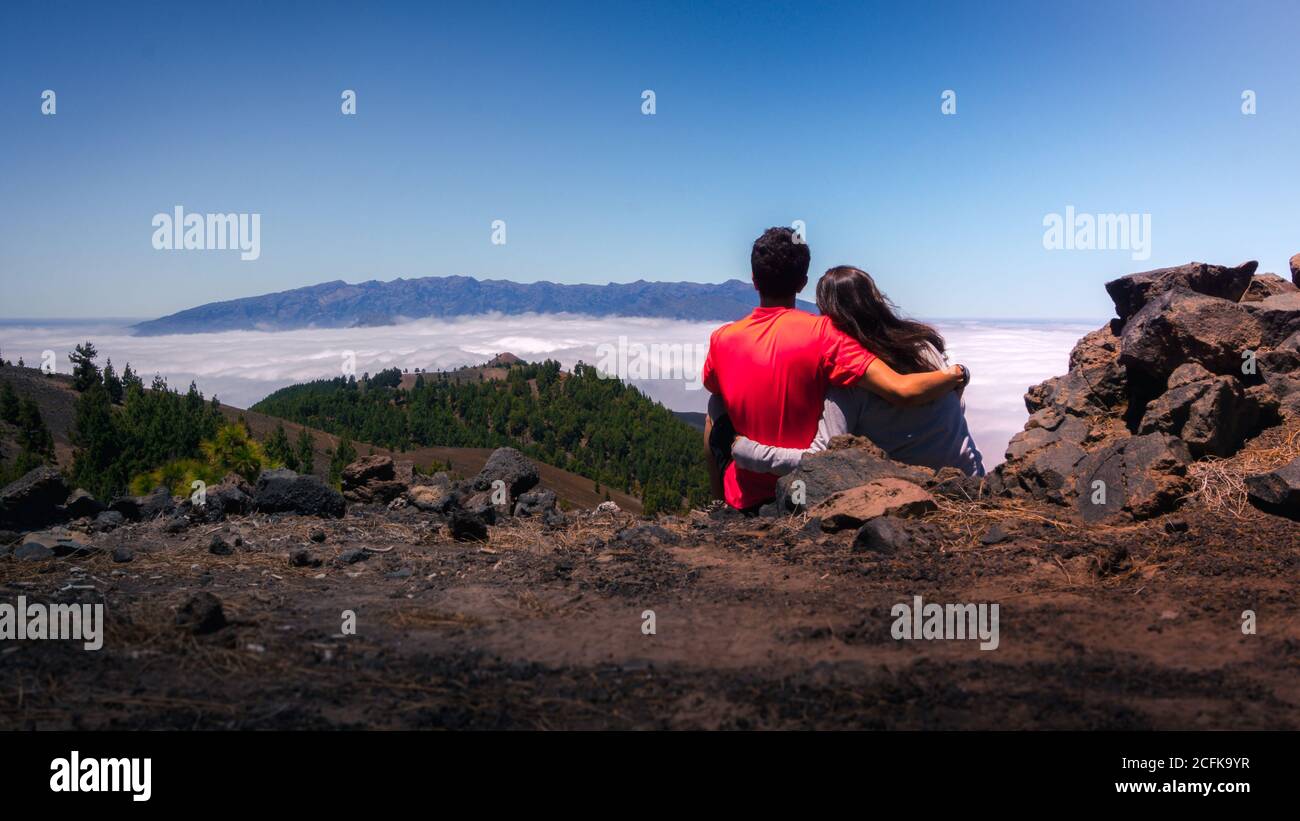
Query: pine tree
point(306, 452)
point(343, 456)
point(96, 465)
point(112, 384)
point(84, 371)
point(279, 450)
point(8, 404)
point(131, 379)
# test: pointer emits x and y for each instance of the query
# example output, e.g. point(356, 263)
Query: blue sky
point(468, 113)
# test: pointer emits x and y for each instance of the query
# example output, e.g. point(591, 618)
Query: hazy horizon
point(241, 367)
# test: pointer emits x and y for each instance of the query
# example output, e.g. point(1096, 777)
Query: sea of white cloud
point(242, 367)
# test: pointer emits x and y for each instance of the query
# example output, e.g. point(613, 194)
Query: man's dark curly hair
point(779, 262)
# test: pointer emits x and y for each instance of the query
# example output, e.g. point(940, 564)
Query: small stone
point(352, 556)
point(121, 555)
point(884, 534)
point(201, 613)
point(403, 573)
point(302, 557)
point(219, 547)
point(466, 527)
point(33, 552)
point(995, 535)
point(317, 536)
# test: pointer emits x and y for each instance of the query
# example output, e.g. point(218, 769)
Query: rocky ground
point(759, 623)
point(1167, 602)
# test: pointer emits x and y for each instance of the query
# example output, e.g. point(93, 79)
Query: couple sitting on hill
point(784, 381)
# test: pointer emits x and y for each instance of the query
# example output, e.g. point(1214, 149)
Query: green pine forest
point(582, 422)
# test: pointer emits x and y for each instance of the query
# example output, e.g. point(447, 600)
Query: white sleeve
point(752, 456)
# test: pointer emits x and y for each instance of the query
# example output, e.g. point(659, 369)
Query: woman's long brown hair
point(849, 296)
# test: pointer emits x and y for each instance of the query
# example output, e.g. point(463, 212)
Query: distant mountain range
point(340, 305)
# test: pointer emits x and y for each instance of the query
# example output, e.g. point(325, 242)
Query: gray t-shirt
point(933, 435)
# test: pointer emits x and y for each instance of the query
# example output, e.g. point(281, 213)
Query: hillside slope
point(57, 401)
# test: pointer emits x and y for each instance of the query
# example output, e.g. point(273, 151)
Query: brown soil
point(760, 624)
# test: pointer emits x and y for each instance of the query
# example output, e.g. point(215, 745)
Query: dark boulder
point(1280, 369)
point(1180, 327)
point(157, 504)
point(83, 505)
point(1277, 491)
point(283, 491)
point(1295, 270)
point(232, 497)
point(145, 508)
point(1041, 459)
point(511, 467)
point(1278, 317)
point(34, 500)
point(466, 527)
point(1134, 478)
point(1212, 414)
point(1133, 292)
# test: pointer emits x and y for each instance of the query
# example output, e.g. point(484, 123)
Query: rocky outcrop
point(1133, 292)
point(283, 491)
point(1200, 359)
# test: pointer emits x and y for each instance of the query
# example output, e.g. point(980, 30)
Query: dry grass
point(1220, 484)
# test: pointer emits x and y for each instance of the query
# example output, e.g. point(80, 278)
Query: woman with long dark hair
point(934, 435)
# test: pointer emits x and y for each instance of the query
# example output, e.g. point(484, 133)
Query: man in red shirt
point(772, 368)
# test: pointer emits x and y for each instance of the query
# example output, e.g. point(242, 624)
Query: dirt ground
point(758, 624)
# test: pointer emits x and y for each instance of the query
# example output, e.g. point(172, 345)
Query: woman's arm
point(760, 458)
point(752, 456)
point(907, 389)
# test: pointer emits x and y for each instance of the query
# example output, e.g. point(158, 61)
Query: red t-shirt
point(772, 369)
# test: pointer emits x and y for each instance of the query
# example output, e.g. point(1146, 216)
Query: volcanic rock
point(201, 613)
point(885, 534)
point(81, 504)
point(510, 466)
point(879, 497)
point(840, 468)
point(283, 491)
point(1133, 292)
point(1263, 286)
point(1180, 327)
point(34, 499)
point(1134, 478)
point(1277, 491)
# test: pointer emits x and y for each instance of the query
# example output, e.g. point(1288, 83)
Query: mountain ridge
point(339, 304)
